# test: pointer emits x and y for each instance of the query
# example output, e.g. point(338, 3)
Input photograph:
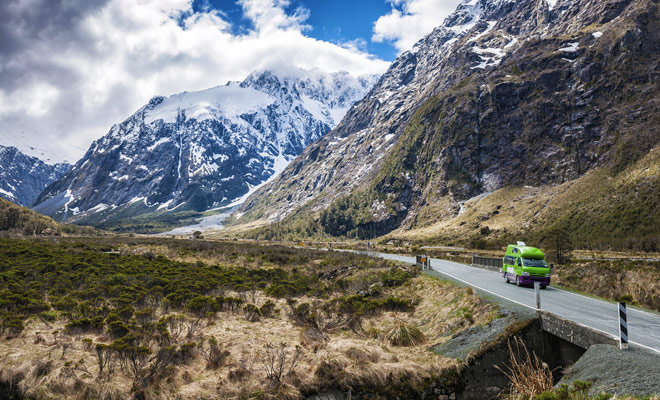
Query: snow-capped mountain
point(23, 178)
point(204, 149)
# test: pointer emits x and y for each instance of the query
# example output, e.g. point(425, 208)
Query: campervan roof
point(529, 252)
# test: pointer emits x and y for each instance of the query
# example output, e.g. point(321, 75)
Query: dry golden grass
point(510, 209)
point(528, 375)
point(236, 230)
point(345, 359)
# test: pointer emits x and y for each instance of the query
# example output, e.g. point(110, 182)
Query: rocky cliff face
point(504, 93)
point(198, 150)
point(23, 178)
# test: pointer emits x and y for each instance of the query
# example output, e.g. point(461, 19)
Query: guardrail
point(491, 263)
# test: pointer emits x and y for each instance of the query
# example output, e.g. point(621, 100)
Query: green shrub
point(85, 324)
point(280, 290)
point(215, 356)
point(267, 309)
point(578, 390)
point(49, 316)
point(303, 314)
point(252, 313)
point(118, 329)
point(395, 277)
point(202, 305)
point(187, 352)
point(361, 305)
point(12, 327)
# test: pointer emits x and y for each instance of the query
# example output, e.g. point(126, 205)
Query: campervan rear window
point(528, 262)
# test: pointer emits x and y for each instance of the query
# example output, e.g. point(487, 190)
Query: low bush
point(395, 277)
point(118, 329)
point(252, 313)
point(214, 354)
point(578, 390)
point(267, 309)
point(86, 325)
point(365, 306)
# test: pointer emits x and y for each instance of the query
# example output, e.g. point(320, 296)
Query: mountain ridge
point(23, 177)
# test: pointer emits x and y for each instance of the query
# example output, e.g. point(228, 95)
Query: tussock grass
point(528, 375)
point(402, 334)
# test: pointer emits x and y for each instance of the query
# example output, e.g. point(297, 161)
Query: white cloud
point(269, 16)
point(410, 20)
point(68, 74)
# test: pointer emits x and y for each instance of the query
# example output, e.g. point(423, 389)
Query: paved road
point(643, 326)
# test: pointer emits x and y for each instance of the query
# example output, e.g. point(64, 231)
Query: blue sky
point(335, 21)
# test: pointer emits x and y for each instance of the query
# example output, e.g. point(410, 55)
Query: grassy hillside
point(599, 210)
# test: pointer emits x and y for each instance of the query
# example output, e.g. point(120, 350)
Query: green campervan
point(525, 265)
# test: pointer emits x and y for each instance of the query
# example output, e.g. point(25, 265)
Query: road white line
point(644, 346)
point(485, 290)
point(558, 289)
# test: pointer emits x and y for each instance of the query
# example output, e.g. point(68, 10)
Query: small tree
point(561, 244)
point(278, 362)
point(214, 354)
point(105, 357)
point(131, 354)
point(252, 313)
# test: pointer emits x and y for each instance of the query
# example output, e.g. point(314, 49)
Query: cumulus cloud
point(70, 69)
point(410, 20)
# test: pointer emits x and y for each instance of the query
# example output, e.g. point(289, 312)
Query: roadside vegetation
point(154, 318)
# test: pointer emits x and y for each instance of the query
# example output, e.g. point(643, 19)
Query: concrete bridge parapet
point(574, 332)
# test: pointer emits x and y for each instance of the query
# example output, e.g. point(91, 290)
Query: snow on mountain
point(230, 100)
point(204, 149)
point(49, 151)
point(23, 178)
